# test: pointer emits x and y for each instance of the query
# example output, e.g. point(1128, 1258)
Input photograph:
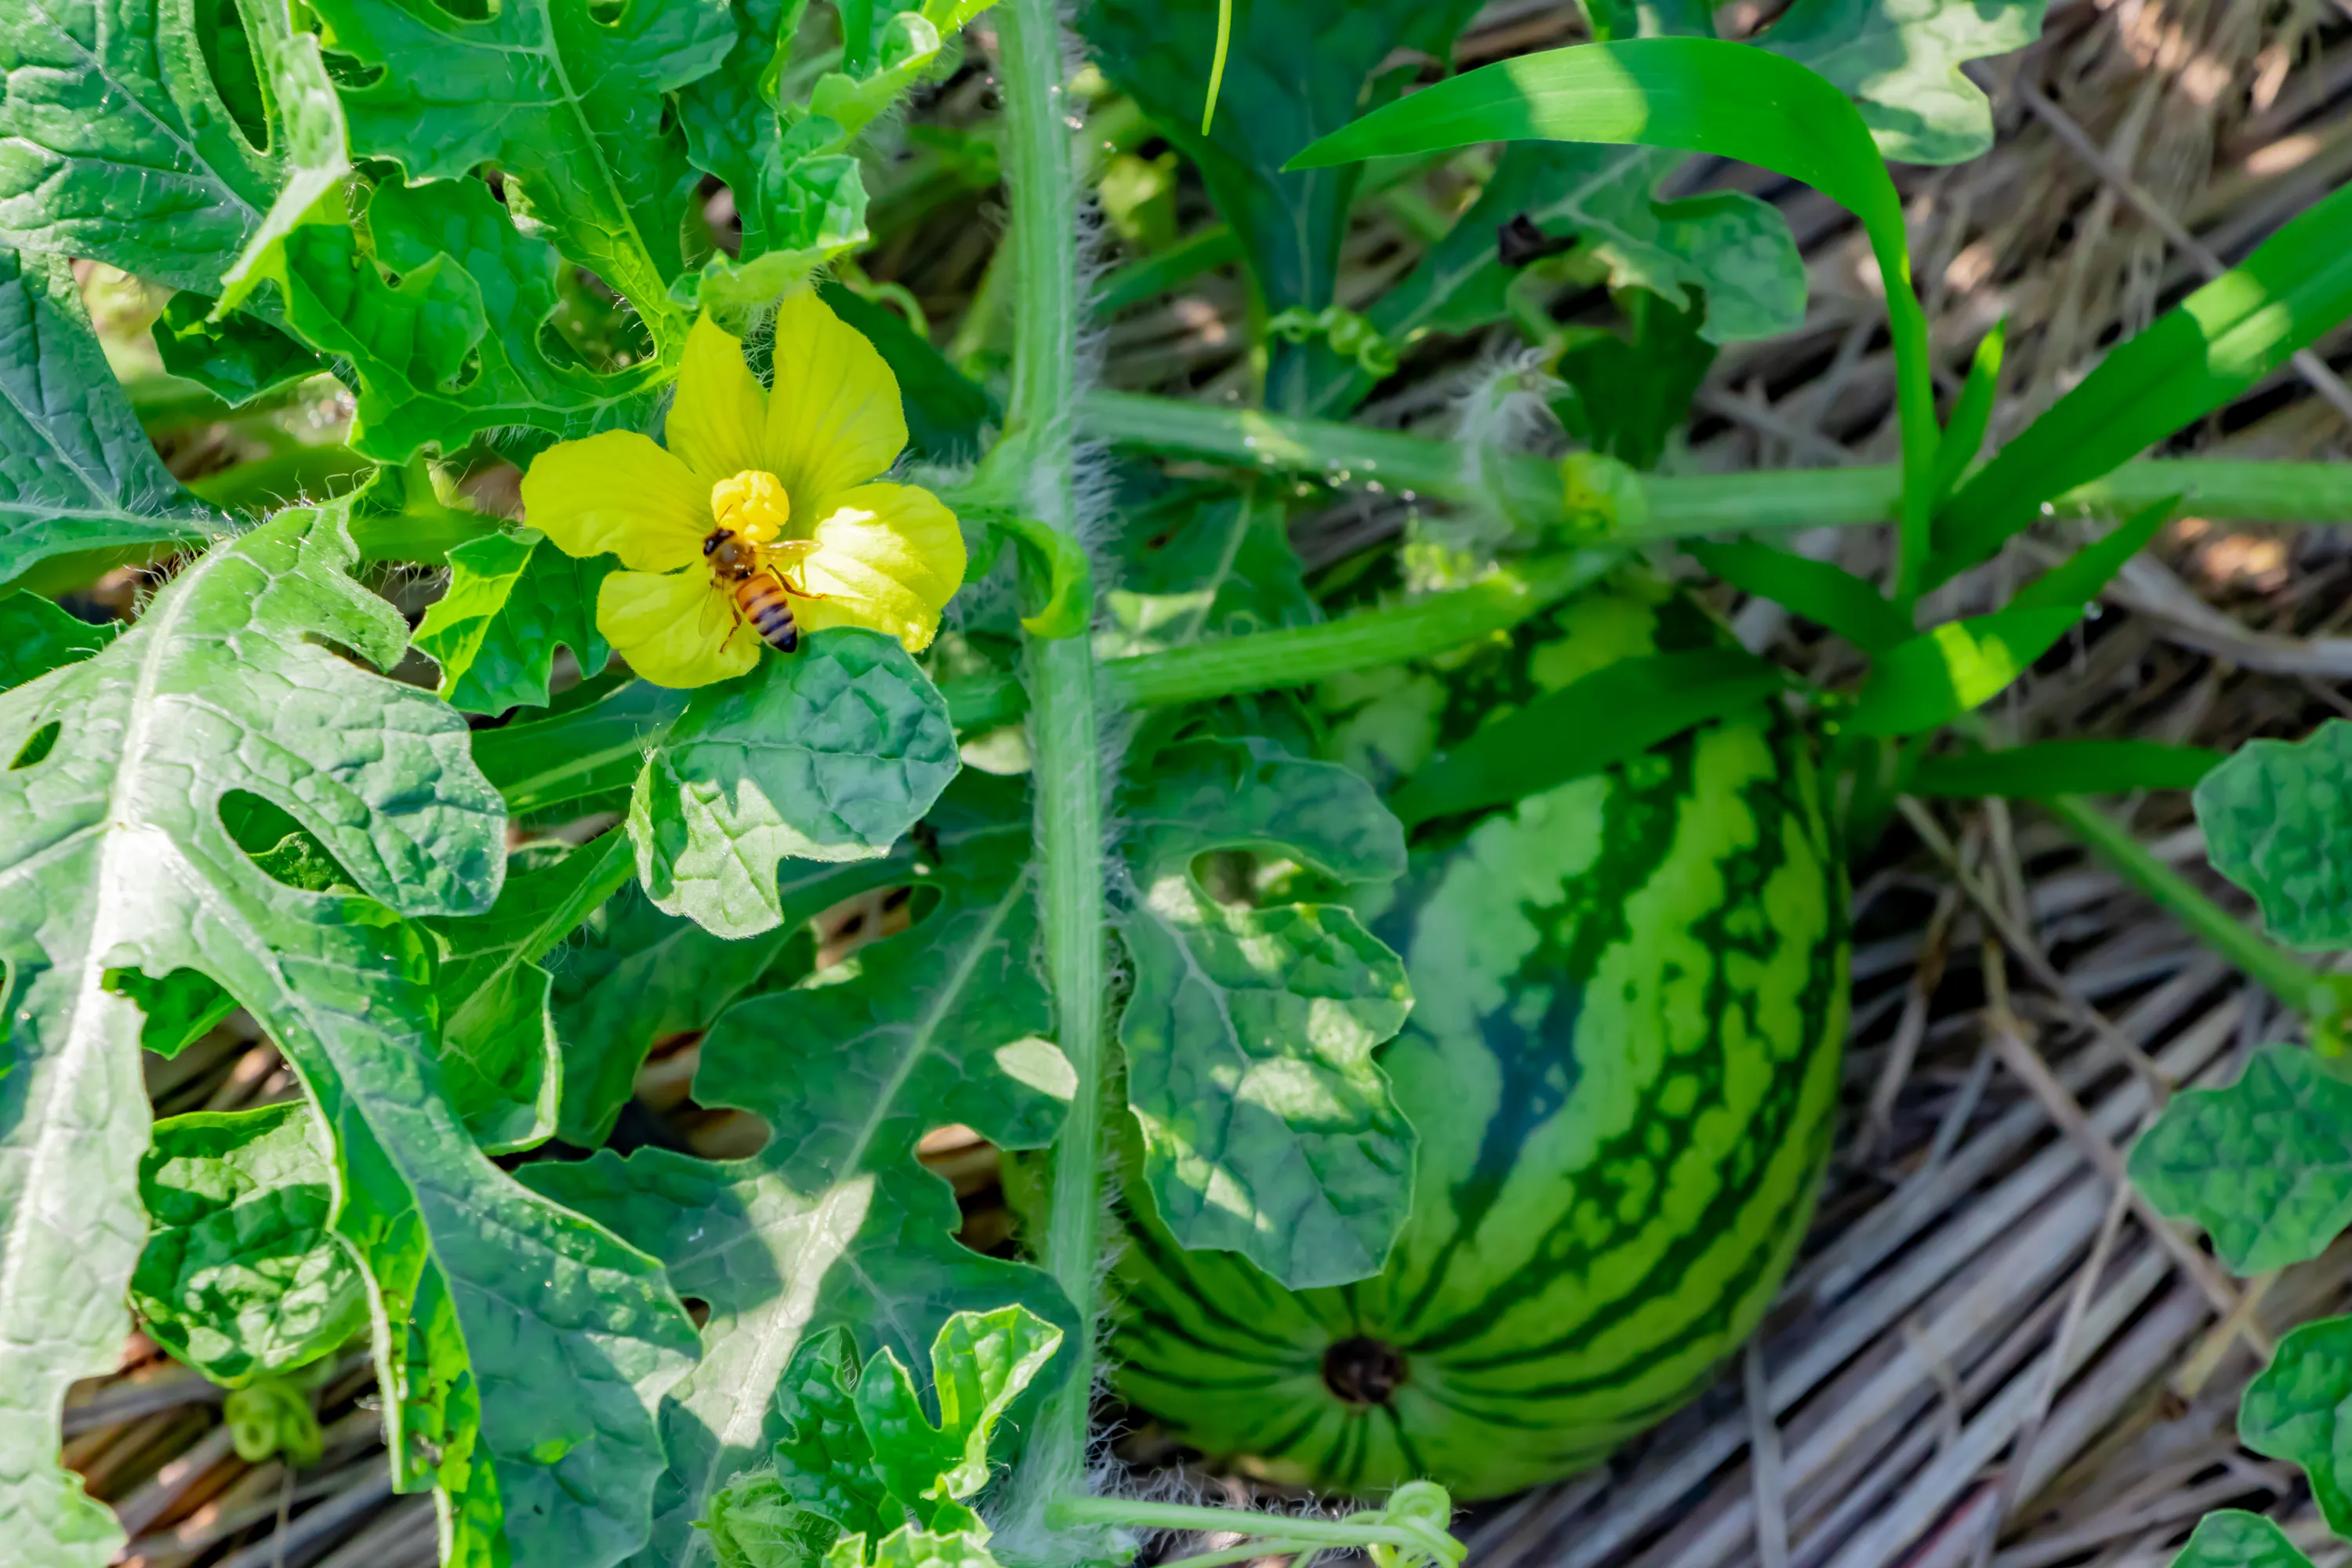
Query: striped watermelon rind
point(1630, 999)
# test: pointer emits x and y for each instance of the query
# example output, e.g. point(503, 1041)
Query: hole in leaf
point(720, 215)
point(236, 74)
point(698, 1309)
point(349, 71)
point(1256, 879)
point(36, 746)
point(592, 327)
point(976, 1169)
point(180, 1009)
point(284, 850)
point(870, 917)
point(469, 371)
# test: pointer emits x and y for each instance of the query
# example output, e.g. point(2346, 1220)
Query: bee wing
point(716, 610)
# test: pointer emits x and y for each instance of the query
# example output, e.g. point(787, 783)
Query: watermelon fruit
point(1630, 998)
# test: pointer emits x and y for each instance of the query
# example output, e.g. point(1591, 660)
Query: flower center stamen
point(753, 505)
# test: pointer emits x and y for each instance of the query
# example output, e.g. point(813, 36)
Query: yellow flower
point(788, 470)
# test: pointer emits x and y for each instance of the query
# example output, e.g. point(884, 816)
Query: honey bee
point(751, 573)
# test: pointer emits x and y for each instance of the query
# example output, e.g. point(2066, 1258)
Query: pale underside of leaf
point(77, 473)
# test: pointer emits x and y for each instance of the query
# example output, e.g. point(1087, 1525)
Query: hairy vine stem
point(1676, 505)
point(1300, 655)
point(2323, 998)
point(1063, 725)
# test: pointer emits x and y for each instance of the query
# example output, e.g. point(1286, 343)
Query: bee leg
point(784, 557)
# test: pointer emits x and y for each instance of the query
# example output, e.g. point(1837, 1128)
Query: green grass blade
point(1217, 63)
point(1944, 671)
point(1971, 413)
point(1702, 95)
point(2063, 767)
point(2076, 581)
point(1615, 712)
point(1821, 593)
point(2200, 355)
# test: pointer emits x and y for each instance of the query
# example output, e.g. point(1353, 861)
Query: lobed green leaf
point(830, 753)
point(501, 1063)
point(1699, 95)
point(980, 1363)
point(2264, 1165)
point(594, 745)
point(1901, 60)
point(1268, 1130)
point(2232, 1538)
point(118, 143)
point(1199, 563)
point(798, 191)
point(460, 344)
point(238, 358)
point(512, 600)
point(2272, 816)
point(307, 140)
point(1627, 396)
point(567, 103)
point(755, 1523)
point(1733, 249)
point(1901, 65)
point(635, 976)
point(242, 1275)
point(2300, 1409)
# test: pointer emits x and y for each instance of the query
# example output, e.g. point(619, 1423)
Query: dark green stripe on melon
point(1630, 996)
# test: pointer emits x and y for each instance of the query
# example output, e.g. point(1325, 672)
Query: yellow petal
point(833, 418)
point(888, 557)
point(718, 421)
point(619, 492)
point(663, 626)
